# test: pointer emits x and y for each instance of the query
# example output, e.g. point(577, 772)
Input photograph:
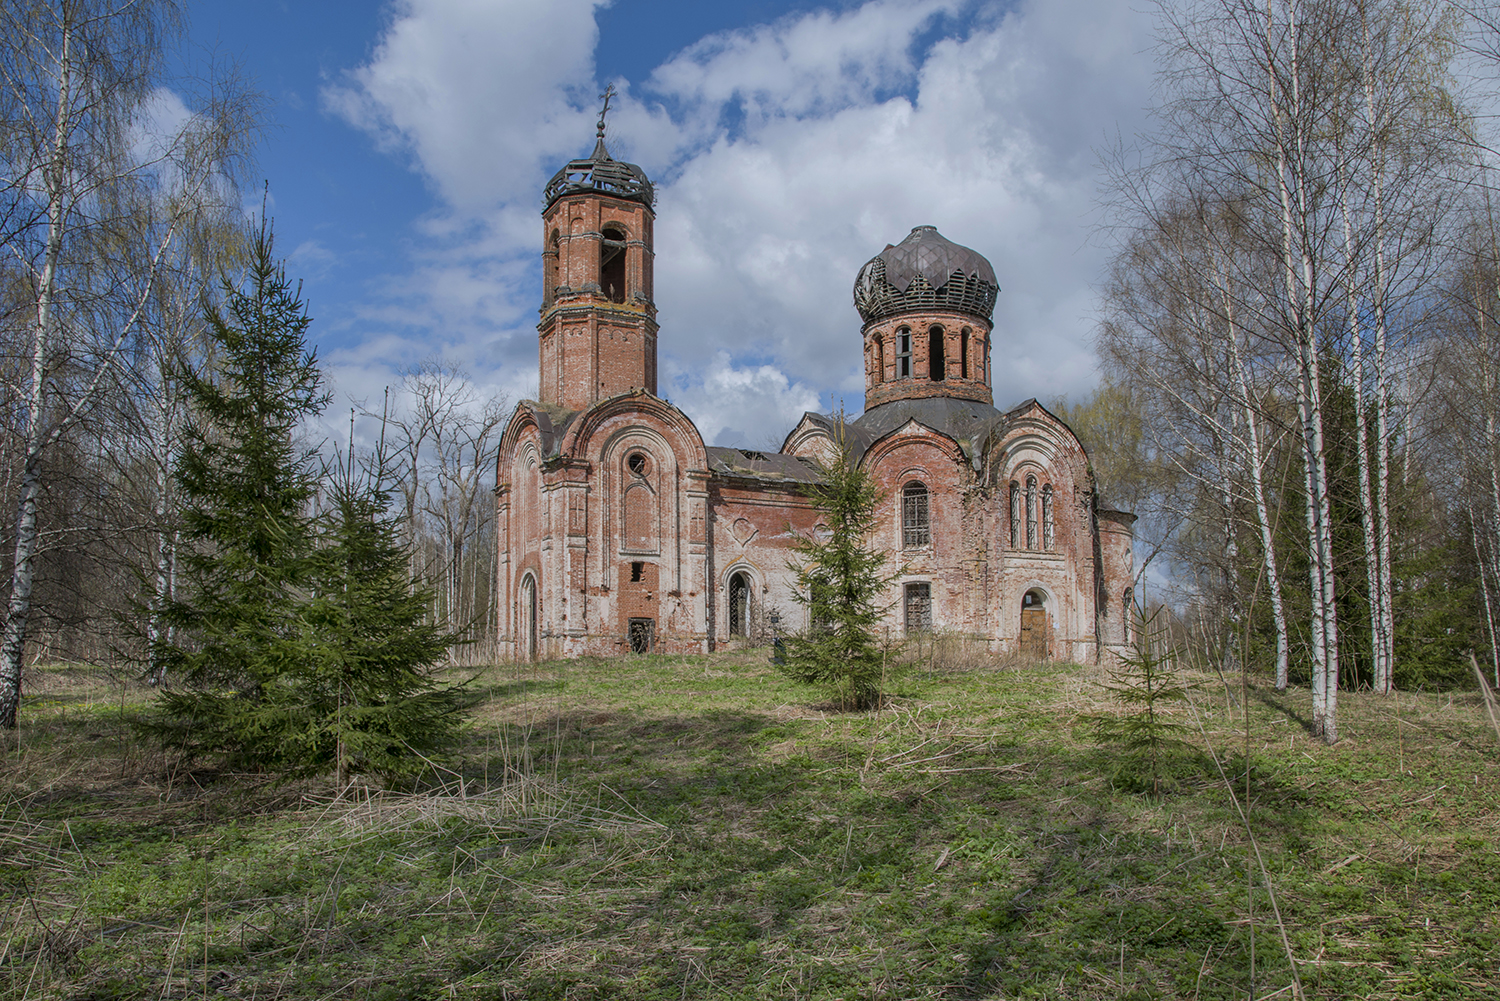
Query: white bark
point(1254, 463)
point(1370, 523)
point(1290, 130)
point(78, 74)
point(23, 569)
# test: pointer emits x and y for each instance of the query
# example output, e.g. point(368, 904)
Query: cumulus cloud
point(807, 66)
point(481, 95)
point(741, 406)
point(785, 156)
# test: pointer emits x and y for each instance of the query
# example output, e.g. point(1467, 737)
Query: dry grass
point(698, 827)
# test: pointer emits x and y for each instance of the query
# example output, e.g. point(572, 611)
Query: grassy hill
point(698, 827)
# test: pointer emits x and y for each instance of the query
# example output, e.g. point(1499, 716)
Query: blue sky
point(789, 143)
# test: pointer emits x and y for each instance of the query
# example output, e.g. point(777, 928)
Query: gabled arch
point(910, 432)
point(676, 431)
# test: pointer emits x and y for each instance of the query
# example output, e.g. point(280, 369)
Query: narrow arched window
point(739, 604)
point(1048, 532)
point(528, 624)
point(963, 353)
point(935, 368)
point(877, 349)
point(1015, 515)
point(550, 268)
point(903, 353)
point(1031, 512)
point(612, 264)
point(916, 530)
point(1125, 613)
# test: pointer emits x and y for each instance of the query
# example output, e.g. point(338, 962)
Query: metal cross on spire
point(608, 93)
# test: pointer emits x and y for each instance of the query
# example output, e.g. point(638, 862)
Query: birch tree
point(1173, 328)
point(99, 171)
point(1303, 114)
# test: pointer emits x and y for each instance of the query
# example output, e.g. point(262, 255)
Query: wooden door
point(1034, 633)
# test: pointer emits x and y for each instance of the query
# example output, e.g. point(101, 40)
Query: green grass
point(700, 827)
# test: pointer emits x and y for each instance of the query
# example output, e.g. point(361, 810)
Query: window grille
point(1015, 515)
point(915, 527)
point(903, 353)
point(919, 607)
point(1048, 530)
point(1031, 512)
point(739, 605)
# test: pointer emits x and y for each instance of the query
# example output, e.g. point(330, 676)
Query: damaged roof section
point(771, 467)
point(967, 422)
point(552, 423)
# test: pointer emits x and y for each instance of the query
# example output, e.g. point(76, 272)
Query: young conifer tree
point(298, 645)
point(245, 486)
point(840, 578)
point(366, 698)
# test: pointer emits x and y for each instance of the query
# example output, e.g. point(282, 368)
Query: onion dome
point(925, 272)
point(602, 173)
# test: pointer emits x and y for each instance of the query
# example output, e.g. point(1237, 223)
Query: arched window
point(918, 607)
point(1048, 532)
point(739, 604)
point(550, 268)
point(963, 353)
point(528, 615)
point(916, 529)
point(1127, 607)
point(877, 352)
point(935, 370)
point(903, 353)
point(612, 264)
point(1031, 512)
point(1015, 515)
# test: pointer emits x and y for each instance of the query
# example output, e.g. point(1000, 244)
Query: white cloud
point(477, 92)
point(752, 406)
point(806, 66)
point(785, 156)
point(158, 123)
point(311, 259)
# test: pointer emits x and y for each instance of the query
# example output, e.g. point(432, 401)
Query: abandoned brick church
point(620, 530)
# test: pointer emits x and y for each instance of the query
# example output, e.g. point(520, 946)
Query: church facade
point(620, 531)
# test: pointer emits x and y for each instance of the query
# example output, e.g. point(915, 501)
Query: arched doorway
point(528, 624)
point(739, 604)
point(1036, 631)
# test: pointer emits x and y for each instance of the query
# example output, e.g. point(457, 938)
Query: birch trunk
point(1254, 460)
point(1382, 589)
point(1298, 265)
point(23, 568)
point(1369, 519)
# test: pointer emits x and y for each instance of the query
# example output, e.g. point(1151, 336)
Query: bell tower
point(597, 333)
